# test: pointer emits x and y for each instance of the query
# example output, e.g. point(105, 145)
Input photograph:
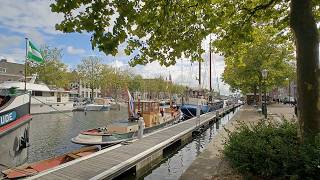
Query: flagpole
point(25, 67)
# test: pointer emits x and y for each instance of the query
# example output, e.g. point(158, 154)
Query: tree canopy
point(90, 71)
point(244, 67)
point(165, 30)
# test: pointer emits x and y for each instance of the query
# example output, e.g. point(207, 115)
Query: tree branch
point(259, 7)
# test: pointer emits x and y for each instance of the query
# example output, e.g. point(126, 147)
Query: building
point(10, 71)
point(282, 93)
point(80, 89)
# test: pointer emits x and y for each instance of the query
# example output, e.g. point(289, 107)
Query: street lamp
point(289, 89)
point(264, 74)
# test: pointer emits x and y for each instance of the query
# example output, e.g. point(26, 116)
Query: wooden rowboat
point(37, 167)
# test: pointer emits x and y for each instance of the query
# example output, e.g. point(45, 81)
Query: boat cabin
point(149, 110)
point(101, 101)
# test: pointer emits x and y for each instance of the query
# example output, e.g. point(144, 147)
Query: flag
point(131, 103)
point(33, 53)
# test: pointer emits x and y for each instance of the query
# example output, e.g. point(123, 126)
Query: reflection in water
point(178, 162)
point(50, 134)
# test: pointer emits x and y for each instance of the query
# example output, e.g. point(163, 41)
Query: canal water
point(173, 166)
point(50, 134)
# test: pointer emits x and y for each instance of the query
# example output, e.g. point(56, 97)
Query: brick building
point(10, 71)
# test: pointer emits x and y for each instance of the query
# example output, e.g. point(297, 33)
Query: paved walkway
point(210, 164)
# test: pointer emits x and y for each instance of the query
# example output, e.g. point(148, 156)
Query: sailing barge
point(154, 118)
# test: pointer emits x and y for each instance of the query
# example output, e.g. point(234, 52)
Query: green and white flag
point(34, 53)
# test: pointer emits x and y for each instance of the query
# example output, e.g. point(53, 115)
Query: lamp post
point(264, 74)
point(289, 89)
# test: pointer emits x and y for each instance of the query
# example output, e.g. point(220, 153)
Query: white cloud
point(30, 18)
point(9, 41)
point(16, 55)
point(75, 51)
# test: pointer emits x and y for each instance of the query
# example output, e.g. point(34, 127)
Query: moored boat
point(37, 167)
point(190, 110)
point(99, 104)
point(43, 99)
point(14, 127)
point(128, 129)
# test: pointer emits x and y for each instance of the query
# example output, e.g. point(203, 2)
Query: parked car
point(289, 100)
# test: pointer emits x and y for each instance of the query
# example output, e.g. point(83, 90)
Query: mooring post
point(141, 127)
point(217, 114)
point(198, 113)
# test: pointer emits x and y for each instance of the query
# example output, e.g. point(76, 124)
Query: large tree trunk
point(306, 35)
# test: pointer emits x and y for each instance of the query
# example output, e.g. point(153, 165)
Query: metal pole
point(199, 74)
point(25, 67)
point(289, 89)
point(265, 100)
point(210, 64)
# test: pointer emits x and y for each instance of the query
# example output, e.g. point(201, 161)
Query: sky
point(34, 19)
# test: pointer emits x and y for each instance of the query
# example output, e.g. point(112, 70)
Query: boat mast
point(25, 67)
point(210, 85)
point(199, 74)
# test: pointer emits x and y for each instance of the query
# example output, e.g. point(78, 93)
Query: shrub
point(270, 150)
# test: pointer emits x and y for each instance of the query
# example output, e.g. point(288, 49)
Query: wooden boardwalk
point(111, 162)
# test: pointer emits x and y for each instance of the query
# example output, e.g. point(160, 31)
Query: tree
point(166, 30)
point(90, 72)
point(243, 68)
point(52, 71)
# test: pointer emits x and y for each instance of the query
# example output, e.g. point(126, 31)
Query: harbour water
point(50, 134)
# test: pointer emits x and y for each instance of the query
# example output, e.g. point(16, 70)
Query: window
point(51, 93)
point(3, 70)
point(36, 93)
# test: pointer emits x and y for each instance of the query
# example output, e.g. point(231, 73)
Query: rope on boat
point(51, 107)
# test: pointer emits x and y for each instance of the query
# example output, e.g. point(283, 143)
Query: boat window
point(3, 70)
point(145, 107)
point(36, 93)
point(51, 93)
point(4, 100)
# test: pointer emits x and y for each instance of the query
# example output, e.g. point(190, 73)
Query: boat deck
point(111, 162)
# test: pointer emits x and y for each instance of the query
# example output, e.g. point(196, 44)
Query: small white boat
point(99, 104)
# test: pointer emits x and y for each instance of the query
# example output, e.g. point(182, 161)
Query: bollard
point(141, 127)
point(217, 114)
point(198, 113)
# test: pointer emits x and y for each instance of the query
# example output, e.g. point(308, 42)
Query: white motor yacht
point(43, 99)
